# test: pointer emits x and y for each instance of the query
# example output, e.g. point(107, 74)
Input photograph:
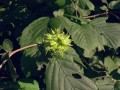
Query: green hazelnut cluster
point(57, 41)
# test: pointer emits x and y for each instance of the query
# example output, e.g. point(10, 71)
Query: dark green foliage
point(22, 84)
point(92, 62)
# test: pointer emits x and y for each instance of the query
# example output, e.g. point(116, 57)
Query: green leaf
point(75, 31)
point(94, 35)
point(22, 84)
point(86, 3)
point(7, 45)
point(99, 21)
point(114, 5)
point(61, 22)
point(58, 13)
point(109, 64)
point(33, 33)
point(13, 72)
point(105, 1)
point(76, 58)
point(72, 55)
point(117, 85)
point(104, 8)
point(104, 83)
point(29, 65)
point(108, 32)
point(60, 2)
point(86, 37)
point(63, 74)
point(117, 61)
point(118, 71)
point(97, 63)
point(83, 12)
point(28, 84)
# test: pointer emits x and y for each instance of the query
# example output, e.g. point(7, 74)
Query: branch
point(21, 49)
point(96, 15)
point(18, 50)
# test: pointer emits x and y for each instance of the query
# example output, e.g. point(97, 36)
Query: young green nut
point(57, 41)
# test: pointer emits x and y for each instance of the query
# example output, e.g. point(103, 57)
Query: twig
point(3, 63)
point(99, 72)
point(23, 48)
point(18, 50)
point(75, 7)
point(96, 15)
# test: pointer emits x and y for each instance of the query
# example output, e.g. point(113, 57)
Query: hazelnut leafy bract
point(57, 41)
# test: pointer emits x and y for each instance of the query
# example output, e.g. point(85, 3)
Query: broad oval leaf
point(28, 84)
point(33, 34)
point(117, 85)
point(58, 13)
point(104, 1)
point(61, 22)
point(108, 33)
point(63, 74)
point(7, 45)
point(94, 35)
point(114, 5)
point(110, 64)
point(117, 61)
point(86, 37)
point(104, 83)
point(75, 56)
point(87, 3)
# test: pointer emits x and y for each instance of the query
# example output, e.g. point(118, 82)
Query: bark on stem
point(16, 51)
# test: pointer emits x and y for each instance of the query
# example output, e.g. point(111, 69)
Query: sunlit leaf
point(110, 64)
point(104, 83)
point(108, 32)
point(86, 3)
point(86, 37)
point(7, 45)
point(60, 12)
point(117, 61)
point(104, 1)
point(33, 33)
point(28, 84)
point(63, 74)
point(22, 84)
